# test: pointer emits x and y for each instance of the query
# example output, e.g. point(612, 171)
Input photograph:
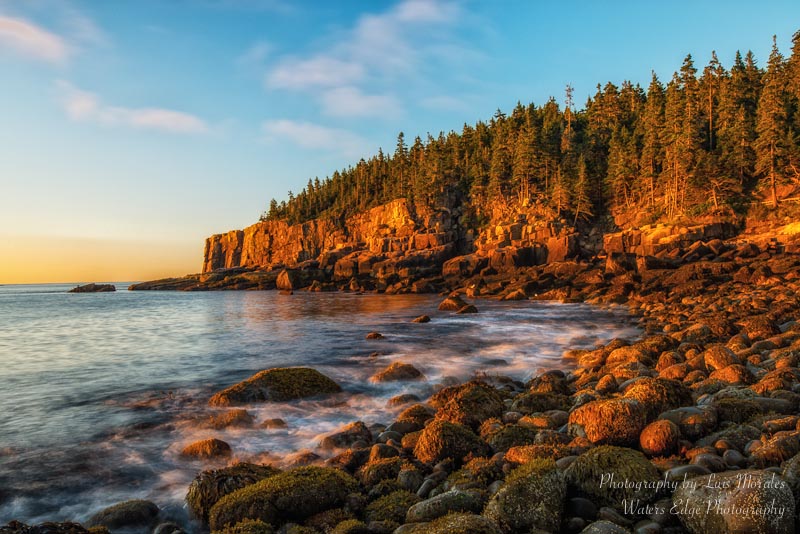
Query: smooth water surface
point(100, 392)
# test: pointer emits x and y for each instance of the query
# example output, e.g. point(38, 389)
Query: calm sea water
point(100, 392)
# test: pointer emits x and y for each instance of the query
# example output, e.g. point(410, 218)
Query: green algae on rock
point(208, 487)
point(277, 385)
point(609, 475)
point(532, 497)
point(291, 495)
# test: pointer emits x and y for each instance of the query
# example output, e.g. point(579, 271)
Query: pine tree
point(652, 124)
point(581, 198)
point(772, 124)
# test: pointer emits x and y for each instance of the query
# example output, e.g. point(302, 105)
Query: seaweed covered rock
point(351, 526)
point(442, 439)
point(392, 507)
point(398, 371)
point(468, 404)
point(528, 403)
point(229, 418)
point(610, 475)
point(208, 487)
point(16, 527)
point(455, 524)
point(347, 436)
point(248, 526)
point(613, 422)
point(532, 498)
point(291, 495)
point(658, 395)
point(135, 513)
point(207, 448)
point(511, 436)
point(738, 501)
point(279, 384)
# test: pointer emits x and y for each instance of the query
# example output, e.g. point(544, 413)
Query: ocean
point(100, 392)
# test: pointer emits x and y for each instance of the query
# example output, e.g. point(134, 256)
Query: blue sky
point(149, 125)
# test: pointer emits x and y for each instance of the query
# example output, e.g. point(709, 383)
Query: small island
point(93, 288)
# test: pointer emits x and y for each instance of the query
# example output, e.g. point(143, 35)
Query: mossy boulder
point(277, 385)
point(532, 498)
point(528, 403)
point(208, 487)
point(511, 436)
point(458, 524)
point(377, 470)
point(347, 436)
point(207, 448)
point(291, 495)
point(134, 513)
point(658, 395)
point(612, 422)
point(229, 418)
point(248, 526)
point(418, 414)
point(392, 507)
point(610, 475)
point(398, 371)
point(477, 473)
point(442, 439)
point(351, 526)
point(468, 404)
point(731, 496)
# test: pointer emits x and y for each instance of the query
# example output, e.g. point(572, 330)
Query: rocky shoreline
point(692, 428)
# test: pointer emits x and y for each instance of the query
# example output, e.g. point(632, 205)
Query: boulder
point(532, 497)
point(347, 436)
point(612, 422)
point(277, 385)
point(612, 476)
point(453, 303)
point(441, 439)
point(398, 371)
point(660, 438)
point(208, 487)
point(468, 404)
point(207, 448)
point(292, 495)
point(135, 513)
point(443, 504)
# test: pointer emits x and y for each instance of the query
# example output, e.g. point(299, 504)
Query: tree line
point(707, 142)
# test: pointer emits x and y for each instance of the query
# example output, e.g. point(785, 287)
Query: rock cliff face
point(384, 233)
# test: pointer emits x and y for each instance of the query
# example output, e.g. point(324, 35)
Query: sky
point(131, 131)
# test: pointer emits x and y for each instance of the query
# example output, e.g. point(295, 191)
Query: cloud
point(32, 41)
point(83, 29)
point(353, 76)
point(351, 102)
point(84, 106)
point(315, 136)
point(320, 71)
point(425, 11)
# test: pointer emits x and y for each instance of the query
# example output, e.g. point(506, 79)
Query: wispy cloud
point(21, 37)
point(315, 136)
point(85, 106)
point(320, 71)
point(351, 102)
point(355, 75)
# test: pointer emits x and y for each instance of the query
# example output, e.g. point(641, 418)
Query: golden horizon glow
point(49, 259)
